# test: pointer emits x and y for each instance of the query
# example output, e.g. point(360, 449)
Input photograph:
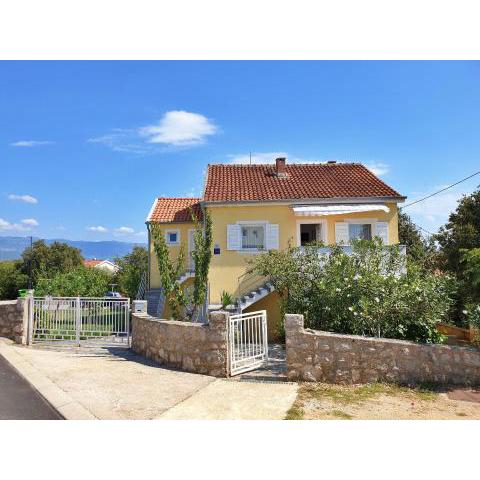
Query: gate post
point(78, 320)
point(30, 308)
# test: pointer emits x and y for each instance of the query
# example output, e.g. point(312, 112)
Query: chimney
point(280, 166)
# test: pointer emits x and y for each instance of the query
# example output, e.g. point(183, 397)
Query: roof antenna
point(250, 158)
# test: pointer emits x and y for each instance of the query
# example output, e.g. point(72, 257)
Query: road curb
point(60, 400)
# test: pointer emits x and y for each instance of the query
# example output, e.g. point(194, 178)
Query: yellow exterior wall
point(270, 303)
point(174, 249)
point(229, 265)
point(226, 268)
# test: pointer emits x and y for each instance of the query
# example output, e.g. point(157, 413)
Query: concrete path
point(19, 400)
point(233, 400)
point(114, 383)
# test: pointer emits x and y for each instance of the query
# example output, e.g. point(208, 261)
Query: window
point(172, 237)
point(253, 237)
point(361, 231)
point(310, 232)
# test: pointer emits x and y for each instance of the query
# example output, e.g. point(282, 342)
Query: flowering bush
point(369, 292)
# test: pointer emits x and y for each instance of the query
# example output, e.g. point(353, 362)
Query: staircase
point(155, 302)
point(254, 296)
point(155, 298)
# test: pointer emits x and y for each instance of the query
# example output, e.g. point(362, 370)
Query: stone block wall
point(192, 347)
point(14, 320)
point(329, 357)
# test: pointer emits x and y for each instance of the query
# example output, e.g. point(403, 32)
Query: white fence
point(247, 341)
point(80, 320)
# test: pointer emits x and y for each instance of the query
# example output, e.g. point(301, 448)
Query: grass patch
point(295, 412)
point(355, 394)
point(345, 395)
point(341, 414)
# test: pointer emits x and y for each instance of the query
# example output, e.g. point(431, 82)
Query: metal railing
point(247, 341)
point(249, 282)
point(80, 319)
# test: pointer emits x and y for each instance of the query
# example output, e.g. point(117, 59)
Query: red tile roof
point(175, 210)
point(234, 183)
point(92, 263)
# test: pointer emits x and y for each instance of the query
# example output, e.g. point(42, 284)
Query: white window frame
point(168, 232)
point(253, 223)
point(322, 221)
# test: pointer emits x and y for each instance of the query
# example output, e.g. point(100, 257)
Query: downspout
point(148, 257)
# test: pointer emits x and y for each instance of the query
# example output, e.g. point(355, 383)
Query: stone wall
point(329, 357)
point(192, 347)
point(14, 320)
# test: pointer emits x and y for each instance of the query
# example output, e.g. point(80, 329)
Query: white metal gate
point(247, 341)
point(80, 320)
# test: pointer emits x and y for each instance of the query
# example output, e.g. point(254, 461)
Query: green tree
point(420, 250)
point(82, 281)
point(460, 235)
point(185, 304)
point(131, 268)
point(45, 261)
point(169, 271)
point(11, 280)
point(470, 262)
point(462, 232)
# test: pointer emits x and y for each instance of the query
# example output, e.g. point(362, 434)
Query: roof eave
point(299, 201)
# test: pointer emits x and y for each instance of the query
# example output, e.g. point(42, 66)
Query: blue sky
point(86, 146)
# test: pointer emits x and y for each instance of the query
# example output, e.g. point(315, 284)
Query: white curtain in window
point(361, 231)
point(253, 236)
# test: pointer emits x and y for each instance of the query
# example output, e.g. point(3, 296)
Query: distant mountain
point(11, 248)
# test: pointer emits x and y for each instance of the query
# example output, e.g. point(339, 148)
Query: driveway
point(115, 383)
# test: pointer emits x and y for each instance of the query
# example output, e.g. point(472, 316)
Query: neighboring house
point(102, 265)
point(256, 208)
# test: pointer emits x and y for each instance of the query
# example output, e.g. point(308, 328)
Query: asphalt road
point(19, 400)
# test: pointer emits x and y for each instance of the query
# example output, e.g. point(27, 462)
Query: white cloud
point(141, 234)
point(378, 168)
point(126, 141)
point(31, 222)
point(24, 226)
point(124, 230)
point(180, 128)
point(22, 198)
point(98, 229)
point(31, 143)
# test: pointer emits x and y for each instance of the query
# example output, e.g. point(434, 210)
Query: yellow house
point(256, 208)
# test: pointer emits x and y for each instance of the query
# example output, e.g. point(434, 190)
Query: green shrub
point(82, 281)
point(370, 292)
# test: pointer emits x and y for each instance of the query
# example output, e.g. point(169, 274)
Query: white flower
point(337, 290)
point(350, 308)
point(377, 299)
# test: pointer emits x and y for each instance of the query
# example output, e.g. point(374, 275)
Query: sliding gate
point(247, 341)
point(80, 320)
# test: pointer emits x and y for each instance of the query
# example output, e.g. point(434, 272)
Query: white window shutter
point(272, 242)
point(341, 233)
point(381, 231)
point(234, 237)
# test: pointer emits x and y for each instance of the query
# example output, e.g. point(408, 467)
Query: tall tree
point(131, 268)
point(459, 242)
point(11, 280)
point(461, 232)
point(419, 249)
point(46, 261)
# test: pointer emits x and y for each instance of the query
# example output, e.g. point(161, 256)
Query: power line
point(440, 191)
